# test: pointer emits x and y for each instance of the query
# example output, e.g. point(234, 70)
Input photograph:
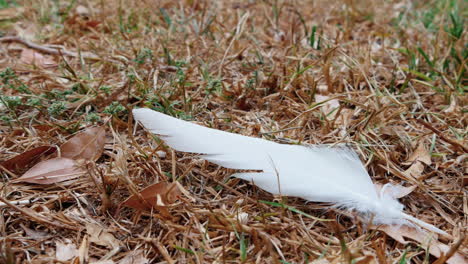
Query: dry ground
point(387, 77)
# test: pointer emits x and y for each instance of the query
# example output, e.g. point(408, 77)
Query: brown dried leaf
point(420, 154)
point(329, 106)
point(88, 144)
point(399, 232)
point(159, 195)
point(92, 24)
point(24, 159)
point(34, 234)
point(65, 250)
point(52, 171)
point(415, 170)
point(393, 130)
point(29, 56)
point(100, 236)
point(345, 117)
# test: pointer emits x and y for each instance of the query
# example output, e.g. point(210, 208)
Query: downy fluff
point(318, 173)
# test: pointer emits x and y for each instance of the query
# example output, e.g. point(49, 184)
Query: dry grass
point(383, 76)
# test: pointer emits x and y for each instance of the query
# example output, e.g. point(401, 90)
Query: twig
point(163, 251)
point(48, 50)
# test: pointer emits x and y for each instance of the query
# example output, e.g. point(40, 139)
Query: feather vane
point(318, 173)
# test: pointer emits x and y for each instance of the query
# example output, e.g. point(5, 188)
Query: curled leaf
point(159, 195)
point(24, 159)
point(52, 171)
point(415, 170)
point(32, 57)
point(420, 154)
point(427, 240)
point(100, 236)
point(329, 105)
point(65, 250)
point(88, 144)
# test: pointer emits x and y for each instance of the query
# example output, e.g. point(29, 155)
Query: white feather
point(318, 173)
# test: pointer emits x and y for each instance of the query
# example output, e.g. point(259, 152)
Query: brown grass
point(382, 76)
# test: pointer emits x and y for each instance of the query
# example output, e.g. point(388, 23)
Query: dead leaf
point(92, 24)
point(420, 154)
point(27, 31)
point(88, 144)
point(330, 106)
point(415, 170)
point(24, 159)
point(29, 56)
point(101, 237)
point(44, 128)
point(426, 240)
point(34, 234)
point(52, 171)
point(345, 117)
point(417, 159)
point(65, 250)
point(159, 195)
point(134, 257)
point(392, 130)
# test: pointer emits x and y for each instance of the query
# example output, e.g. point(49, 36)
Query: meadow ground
point(386, 77)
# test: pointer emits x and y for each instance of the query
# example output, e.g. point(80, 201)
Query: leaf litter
point(425, 239)
point(157, 196)
point(21, 161)
point(52, 171)
point(100, 236)
point(31, 57)
point(65, 250)
point(419, 159)
point(86, 145)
